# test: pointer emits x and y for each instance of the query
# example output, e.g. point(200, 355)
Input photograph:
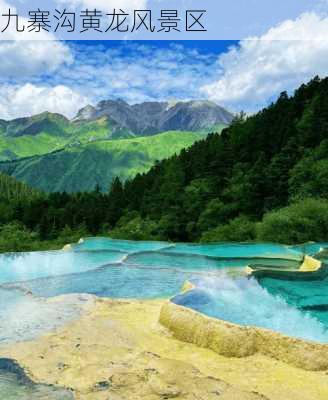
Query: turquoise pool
point(17, 267)
point(148, 270)
point(248, 302)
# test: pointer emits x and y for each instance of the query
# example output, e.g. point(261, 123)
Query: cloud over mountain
point(255, 71)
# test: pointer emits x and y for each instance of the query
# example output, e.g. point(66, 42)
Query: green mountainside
point(80, 167)
point(47, 132)
point(52, 153)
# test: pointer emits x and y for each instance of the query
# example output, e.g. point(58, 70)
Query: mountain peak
point(85, 113)
point(154, 117)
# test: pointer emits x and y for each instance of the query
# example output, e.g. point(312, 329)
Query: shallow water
point(14, 385)
point(118, 281)
point(147, 270)
point(244, 301)
point(239, 250)
point(16, 267)
point(127, 246)
point(310, 248)
point(25, 317)
point(195, 262)
point(308, 296)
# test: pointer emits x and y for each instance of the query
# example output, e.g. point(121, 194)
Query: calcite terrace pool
point(41, 292)
point(151, 270)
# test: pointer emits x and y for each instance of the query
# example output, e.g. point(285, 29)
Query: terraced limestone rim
point(69, 246)
point(231, 340)
point(309, 266)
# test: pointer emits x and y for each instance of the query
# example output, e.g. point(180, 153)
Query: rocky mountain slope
point(153, 117)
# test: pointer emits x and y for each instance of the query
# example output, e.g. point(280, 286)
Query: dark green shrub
point(304, 221)
point(240, 229)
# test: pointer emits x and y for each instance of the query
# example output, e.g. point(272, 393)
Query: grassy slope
point(26, 146)
point(50, 136)
point(79, 168)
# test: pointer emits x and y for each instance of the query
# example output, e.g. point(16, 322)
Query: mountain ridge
point(111, 119)
point(154, 117)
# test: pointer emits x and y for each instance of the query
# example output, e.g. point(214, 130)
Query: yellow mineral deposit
point(119, 350)
point(233, 340)
point(310, 264)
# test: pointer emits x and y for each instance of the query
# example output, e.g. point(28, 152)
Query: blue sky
point(88, 72)
point(245, 74)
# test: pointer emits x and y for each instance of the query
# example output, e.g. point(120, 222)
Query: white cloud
point(29, 99)
point(20, 59)
point(286, 56)
point(138, 72)
point(134, 72)
point(25, 54)
point(308, 26)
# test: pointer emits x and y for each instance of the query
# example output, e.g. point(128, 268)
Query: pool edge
point(233, 340)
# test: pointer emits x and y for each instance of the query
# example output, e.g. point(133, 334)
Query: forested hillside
point(12, 190)
point(265, 178)
point(216, 189)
